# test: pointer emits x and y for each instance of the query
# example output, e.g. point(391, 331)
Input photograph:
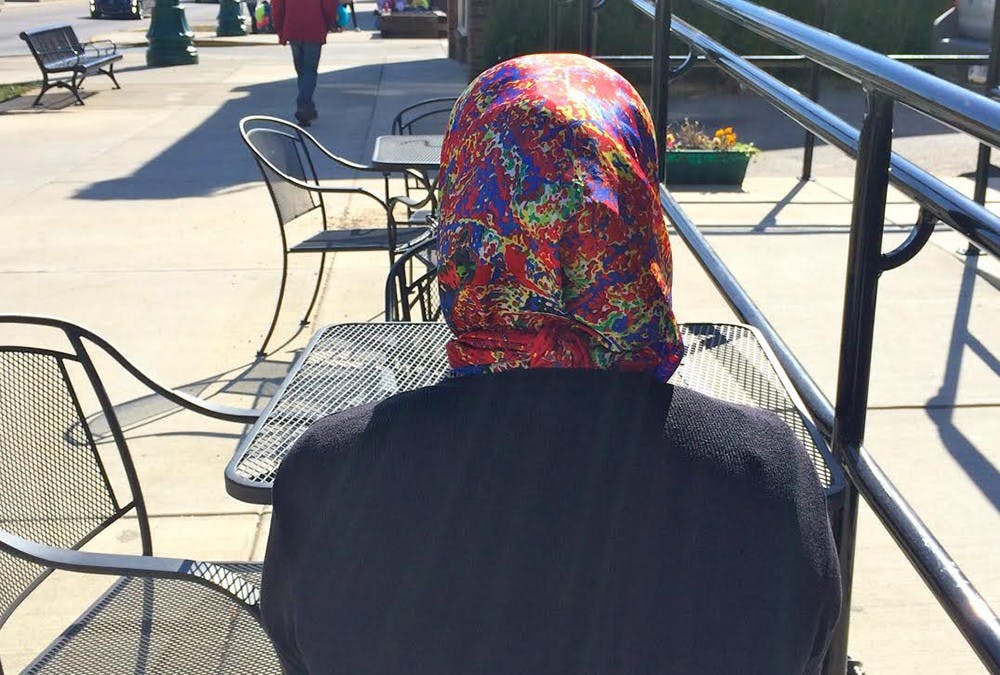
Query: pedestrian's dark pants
point(252, 9)
point(305, 56)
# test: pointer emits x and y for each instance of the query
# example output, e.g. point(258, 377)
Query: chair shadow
point(212, 158)
point(257, 380)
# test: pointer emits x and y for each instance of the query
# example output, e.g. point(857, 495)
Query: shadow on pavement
point(257, 380)
point(355, 106)
point(941, 408)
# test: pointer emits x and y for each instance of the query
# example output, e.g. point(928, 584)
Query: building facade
point(466, 31)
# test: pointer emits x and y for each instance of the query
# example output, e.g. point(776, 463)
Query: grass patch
point(9, 91)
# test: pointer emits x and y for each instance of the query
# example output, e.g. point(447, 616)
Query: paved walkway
point(141, 216)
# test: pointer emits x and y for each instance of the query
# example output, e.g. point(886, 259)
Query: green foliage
point(887, 26)
point(9, 91)
point(903, 27)
point(515, 27)
point(690, 135)
point(513, 30)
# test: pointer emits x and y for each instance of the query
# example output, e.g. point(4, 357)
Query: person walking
point(303, 24)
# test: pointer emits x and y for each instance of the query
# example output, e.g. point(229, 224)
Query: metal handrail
point(937, 98)
point(964, 604)
point(885, 83)
point(979, 225)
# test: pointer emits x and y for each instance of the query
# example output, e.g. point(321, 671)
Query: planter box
point(705, 167)
point(414, 24)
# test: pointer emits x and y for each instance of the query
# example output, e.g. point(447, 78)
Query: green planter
point(705, 167)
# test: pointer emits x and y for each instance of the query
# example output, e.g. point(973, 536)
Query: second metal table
point(346, 365)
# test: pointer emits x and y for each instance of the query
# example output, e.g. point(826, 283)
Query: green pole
point(171, 40)
point(230, 19)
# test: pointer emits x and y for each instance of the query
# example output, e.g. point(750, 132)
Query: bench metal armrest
point(42, 56)
point(101, 47)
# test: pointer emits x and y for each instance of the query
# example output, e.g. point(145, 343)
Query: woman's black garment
point(550, 522)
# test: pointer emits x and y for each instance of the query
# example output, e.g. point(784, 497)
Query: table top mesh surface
point(352, 364)
point(413, 151)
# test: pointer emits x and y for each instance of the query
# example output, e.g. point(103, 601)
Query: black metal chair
point(411, 289)
point(429, 116)
point(58, 491)
point(284, 153)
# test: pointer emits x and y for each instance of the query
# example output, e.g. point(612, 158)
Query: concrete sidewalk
point(141, 216)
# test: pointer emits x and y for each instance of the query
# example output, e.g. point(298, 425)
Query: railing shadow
point(941, 407)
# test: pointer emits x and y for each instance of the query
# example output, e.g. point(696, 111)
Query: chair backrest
point(56, 487)
point(411, 289)
point(426, 117)
point(285, 149)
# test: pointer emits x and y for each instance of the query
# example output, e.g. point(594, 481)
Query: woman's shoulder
point(743, 443)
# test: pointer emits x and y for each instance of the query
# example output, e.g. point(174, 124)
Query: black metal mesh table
point(398, 152)
point(346, 365)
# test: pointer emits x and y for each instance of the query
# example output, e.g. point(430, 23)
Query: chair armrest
point(200, 405)
point(181, 398)
point(74, 333)
point(101, 47)
point(408, 201)
point(207, 574)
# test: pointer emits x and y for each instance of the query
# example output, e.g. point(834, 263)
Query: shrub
point(516, 27)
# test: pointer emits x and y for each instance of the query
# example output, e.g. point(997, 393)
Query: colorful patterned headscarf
point(553, 248)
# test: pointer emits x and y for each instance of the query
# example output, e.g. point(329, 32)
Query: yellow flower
point(689, 134)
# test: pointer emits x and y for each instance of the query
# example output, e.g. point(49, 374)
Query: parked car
point(120, 9)
point(966, 28)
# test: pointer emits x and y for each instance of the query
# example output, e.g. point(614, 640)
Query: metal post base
point(230, 19)
point(171, 40)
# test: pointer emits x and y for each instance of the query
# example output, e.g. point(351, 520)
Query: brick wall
point(456, 41)
point(478, 9)
point(467, 48)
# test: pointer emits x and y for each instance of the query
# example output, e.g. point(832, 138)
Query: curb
point(199, 40)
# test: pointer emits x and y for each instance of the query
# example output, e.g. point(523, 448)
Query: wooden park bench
point(65, 62)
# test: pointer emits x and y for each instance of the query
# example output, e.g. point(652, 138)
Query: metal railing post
point(983, 160)
point(553, 26)
point(587, 27)
point(660, 80)
point(864, 265)
point(822, 14)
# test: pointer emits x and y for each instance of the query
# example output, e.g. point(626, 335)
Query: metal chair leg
point(262, 352)
point(46, 86)
point(75, 87)
point(110, 72)
point(319, 280)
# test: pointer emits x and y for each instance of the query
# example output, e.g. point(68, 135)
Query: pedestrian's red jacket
point(303, 20)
